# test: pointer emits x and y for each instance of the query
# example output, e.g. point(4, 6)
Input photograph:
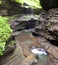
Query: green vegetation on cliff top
point(30, 3)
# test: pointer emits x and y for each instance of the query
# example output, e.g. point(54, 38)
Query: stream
point(34, 35)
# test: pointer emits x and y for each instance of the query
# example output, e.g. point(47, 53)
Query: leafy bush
point(31, 3)
point(5, 32)
point(0, 1)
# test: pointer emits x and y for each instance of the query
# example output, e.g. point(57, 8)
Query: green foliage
point(0, 1)
point(5, 32)
point(30, 3)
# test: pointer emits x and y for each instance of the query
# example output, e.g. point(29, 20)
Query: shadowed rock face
point(48, 28)
point(48, 4)
point(24, 22)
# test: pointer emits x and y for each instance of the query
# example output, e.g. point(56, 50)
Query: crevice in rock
point(54, 42)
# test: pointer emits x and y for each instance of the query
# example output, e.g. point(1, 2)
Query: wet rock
point(3, 12)
point(26, 41)
point(48, 27)
point(14, 57)
point(30, 60)
point(47, 33)
point(10, 45)
point(42, 56)
point(24, 22)
point(52, 50)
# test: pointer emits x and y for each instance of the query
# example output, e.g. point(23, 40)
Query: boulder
point(24, 22)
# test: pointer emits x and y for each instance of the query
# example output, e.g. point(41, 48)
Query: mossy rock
point(10, 45)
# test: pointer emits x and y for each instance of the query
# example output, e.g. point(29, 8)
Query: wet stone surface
point(26, 44)
point(13, 57)
point(22, 54)
point(46, 31)
point(52, 50)
point(48, 28)
point(23, 22)
point(26, 41)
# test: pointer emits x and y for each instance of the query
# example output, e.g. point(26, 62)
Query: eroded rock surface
point(30, 60)
point(26, 41)
point(48, 28)
point(52, 50)
point(24, 22)
point(47, 33)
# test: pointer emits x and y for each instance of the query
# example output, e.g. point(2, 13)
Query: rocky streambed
point(45, 29)
point(38, 31)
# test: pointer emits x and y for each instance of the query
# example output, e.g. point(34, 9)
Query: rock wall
point(48, 4)
point(12, 8)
